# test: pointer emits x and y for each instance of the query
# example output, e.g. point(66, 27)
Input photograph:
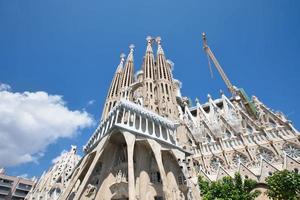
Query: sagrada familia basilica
point(151, 144)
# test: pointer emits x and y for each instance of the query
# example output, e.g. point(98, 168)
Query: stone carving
point(239, 158)
point(90, 190)
point(263, 153)
point(54, 182)
point(292, 150)
point(216, 162)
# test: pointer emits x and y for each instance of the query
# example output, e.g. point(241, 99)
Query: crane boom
point(206, 48)
point(248, 104)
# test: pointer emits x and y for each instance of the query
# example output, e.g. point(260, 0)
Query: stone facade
point(150, 144)
point(225, 138)
point(55, 180)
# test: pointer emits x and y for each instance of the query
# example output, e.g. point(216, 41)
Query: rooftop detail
point(133, 117)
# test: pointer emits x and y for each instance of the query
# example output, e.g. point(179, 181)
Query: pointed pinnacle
point(131, 47)
point(149, 39)
point(130, 55)
point(149, 44)
point(159, 50)
point(122, 56)
point(120, 66)
point(158, 40)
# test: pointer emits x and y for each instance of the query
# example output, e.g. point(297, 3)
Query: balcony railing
point(4, 192)
point(24, 187)
point(19, 194)
point(129, 116)
point(5, 184)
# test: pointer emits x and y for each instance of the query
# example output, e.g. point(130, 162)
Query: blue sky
point(71, 48)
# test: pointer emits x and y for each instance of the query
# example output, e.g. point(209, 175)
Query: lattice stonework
point(263, 153)
point(292, 150)
point(216, 162)
point(239, 158)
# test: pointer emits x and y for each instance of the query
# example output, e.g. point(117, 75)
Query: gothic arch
point(147, 174)
point(175, 176)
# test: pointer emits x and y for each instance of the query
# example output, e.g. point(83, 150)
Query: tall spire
point(128, 75)
point(114, 90)
point(115, 85)
point(163, 69)
point(149, 70)
point(166, 95)
point(149, 64)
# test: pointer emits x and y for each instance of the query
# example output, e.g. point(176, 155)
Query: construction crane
point(248, 104)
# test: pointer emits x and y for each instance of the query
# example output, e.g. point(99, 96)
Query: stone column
point(130, 140)
point(143, 162)
point(156, 148)
point(99, 150)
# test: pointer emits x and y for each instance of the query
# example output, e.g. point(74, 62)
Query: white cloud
point(91, 102)
point(4, 86)
point(30, 121)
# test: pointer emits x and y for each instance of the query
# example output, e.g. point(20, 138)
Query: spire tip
point(149, 39)
point(122, 56)
point(158, 40)
point(131, 47)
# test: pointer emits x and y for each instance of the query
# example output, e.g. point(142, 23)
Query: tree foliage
point(284, 185)
point(228, 188)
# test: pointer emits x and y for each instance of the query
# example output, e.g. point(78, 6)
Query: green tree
point(284, 185)
point(228, 188)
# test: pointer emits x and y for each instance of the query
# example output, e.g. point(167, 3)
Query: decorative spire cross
point(158, 40)
point(122, 56)
point(131, 47)
point(149, 39)
point(149, 45)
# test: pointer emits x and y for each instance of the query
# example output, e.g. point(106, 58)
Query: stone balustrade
point(132, 117)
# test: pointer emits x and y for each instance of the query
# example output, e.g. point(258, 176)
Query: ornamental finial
point(149, 39)
point(122, 56)
point(130, 55)
point(158, 40)
point(131, 47)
